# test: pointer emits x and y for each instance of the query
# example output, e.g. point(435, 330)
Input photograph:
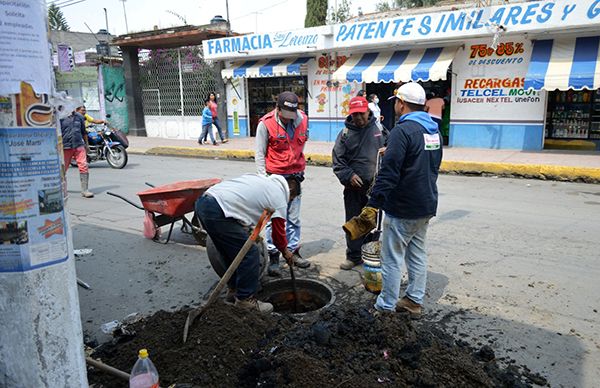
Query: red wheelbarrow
point(170, 203)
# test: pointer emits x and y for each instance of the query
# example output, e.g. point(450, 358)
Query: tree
point(56, 19)
point(341, 14)
point(387, 5)
point(316, 13)
point(383, 6)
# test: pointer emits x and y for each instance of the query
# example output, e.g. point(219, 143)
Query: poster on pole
point(32, 217)
point(24, 53)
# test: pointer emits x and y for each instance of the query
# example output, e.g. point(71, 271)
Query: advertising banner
point(24, 53)
point(32, 218)
point(488, 84)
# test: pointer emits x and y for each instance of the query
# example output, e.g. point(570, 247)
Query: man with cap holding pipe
point(280, 138)
point(406, 189)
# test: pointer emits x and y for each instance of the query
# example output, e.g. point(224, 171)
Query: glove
point(362, 224)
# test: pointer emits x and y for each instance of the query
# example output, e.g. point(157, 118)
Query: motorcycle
point(105, 143)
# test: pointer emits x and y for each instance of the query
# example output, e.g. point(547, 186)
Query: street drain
point(312, 295)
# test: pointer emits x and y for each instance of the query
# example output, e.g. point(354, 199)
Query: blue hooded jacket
point(406, 186)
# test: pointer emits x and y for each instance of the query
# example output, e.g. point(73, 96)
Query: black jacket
point(355, 151)
point(406, 186)
point(73, 130)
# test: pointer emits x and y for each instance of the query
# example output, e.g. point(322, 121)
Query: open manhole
point(312, 295)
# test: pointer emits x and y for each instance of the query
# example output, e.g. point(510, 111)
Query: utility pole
point(125, 13)
point(256, 21)
point(41, 339)
point(106, 19)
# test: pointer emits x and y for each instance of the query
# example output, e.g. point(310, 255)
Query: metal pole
point(125, 14)
point(227, 9)
point(180, 80)
point(106, 19)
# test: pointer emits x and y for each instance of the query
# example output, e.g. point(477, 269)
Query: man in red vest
point(280, 138)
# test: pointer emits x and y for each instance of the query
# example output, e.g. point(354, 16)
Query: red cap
point(358, 105)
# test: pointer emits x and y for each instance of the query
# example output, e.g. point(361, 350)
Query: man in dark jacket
point(406, 190)
point(354, 162)
point(73, 132)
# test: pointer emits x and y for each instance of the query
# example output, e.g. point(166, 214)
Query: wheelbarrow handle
point(125, 199)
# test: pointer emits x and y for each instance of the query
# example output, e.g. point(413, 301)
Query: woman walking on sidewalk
point(213, 105)
point(207, 122)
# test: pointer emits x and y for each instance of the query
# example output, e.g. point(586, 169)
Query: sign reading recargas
point(489, 84)
point(537, 16)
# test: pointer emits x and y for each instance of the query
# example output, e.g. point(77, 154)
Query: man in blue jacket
point(406, 190)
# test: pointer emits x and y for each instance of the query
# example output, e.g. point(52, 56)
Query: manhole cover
point(312, 295)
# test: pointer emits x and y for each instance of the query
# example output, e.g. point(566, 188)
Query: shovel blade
point(192, 315)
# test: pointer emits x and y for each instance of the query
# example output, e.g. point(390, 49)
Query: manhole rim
point(300, 281)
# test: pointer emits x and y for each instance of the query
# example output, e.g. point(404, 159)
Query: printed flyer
point(32, 218)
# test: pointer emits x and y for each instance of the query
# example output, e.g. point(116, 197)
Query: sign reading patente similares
point(538, 16)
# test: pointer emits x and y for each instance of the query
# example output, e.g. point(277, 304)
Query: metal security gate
point(175, 83)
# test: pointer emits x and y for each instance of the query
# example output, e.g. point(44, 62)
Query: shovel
point(195, 313)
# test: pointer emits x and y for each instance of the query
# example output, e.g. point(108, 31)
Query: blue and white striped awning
point(277, 67)
point(397, 66)
point(564, 64)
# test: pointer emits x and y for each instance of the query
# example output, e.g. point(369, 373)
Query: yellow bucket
point(371, 255)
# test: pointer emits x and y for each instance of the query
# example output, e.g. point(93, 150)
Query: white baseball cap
point(411, 92)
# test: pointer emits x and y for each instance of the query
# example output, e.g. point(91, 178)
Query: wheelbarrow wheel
point(198, 232)
point(220, 266)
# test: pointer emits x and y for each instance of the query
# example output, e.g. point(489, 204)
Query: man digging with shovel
point(227, 208)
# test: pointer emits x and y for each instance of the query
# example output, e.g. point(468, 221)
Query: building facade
point(519, 76)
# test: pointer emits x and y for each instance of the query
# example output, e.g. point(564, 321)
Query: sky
point(143, 15)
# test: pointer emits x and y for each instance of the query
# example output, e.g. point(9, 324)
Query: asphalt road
point(513, 263)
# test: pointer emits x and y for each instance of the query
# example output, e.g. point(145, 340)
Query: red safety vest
point(285, 155)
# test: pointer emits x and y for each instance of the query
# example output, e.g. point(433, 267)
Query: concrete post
point(131, 66)
point(41, 341)
point(221, 92)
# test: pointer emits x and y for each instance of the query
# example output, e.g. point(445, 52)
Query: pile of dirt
point(339, 347)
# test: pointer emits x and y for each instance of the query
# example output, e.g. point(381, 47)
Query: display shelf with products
point(573, 115)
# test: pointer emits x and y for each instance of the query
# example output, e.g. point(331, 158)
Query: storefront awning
point(406, 65)
point(564, 64)
point(278, 67)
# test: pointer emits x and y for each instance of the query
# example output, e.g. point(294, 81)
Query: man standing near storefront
point(280, 138)
point(406, 189)
point(354, 161)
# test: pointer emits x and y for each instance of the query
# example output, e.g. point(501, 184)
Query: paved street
point(513, 263)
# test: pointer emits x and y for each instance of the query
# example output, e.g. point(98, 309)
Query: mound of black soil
point(341, 347)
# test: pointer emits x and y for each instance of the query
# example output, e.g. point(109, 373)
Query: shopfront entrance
point(573, 115)
point(263, 92)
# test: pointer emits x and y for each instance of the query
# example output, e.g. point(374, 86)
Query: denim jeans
point(217, 124)
point(292, 227)
point(206, 129)
point(403, 241)
point(229, 236)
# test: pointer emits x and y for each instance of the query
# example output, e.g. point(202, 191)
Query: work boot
point(349, 264)
point(414, 309)
point(230, 297)
point(85, 179)
point(252, 303)
point(274, 270)
point(299, 261)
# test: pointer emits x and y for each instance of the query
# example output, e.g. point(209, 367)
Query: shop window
point(573, 115)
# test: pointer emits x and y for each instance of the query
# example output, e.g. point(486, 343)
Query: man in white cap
point(280, 139)
point(406, 189)
point(227, 208)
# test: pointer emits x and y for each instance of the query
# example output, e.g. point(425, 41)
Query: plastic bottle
point(143, 374)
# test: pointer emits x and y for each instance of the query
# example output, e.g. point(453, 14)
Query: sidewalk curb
point(532, 171)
